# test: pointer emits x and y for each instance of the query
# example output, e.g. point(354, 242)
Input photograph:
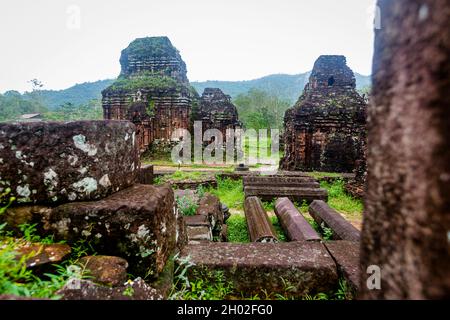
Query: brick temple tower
point(326, 128)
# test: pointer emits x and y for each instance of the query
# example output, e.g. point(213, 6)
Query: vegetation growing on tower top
point(154, 47)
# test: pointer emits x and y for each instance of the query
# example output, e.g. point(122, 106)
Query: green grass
point(186, 206)
point(237, 229)
point(230, 192)
point(318, 175)
point(339, 200)
point(182, 176)
point(278, 229)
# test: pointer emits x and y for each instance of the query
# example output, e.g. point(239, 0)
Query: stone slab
point(253, 267)
point(88, 290)
point(56, 162)
point(138, 224)
point(294, 194)
point(346, 256)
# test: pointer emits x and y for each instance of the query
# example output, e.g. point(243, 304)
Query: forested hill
point(77, 95)
point(284, 86)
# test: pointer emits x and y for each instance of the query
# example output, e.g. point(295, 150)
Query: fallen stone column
point(57, 162)
point(254, 267)
point(260, 228)
point(342, 229)
point(294, 224)
point(268, 193)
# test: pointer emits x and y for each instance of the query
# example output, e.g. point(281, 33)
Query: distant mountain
point(285, 86)
point(78, 94)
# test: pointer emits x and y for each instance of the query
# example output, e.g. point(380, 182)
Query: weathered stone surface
point(294, 224)
point(5, 297)
point(254, 267)
point(342, 229)
point(276, 181)
point(325, 128)
point(194, 184)
point(40, 254)
point(138, 224)
point(224, 233)
point(25, 214)
point(268, 193)
point(260, 229)
point(346, 255)
point(152, 91)
point(107, 270)
point(145, 174)
point(407, 206)
point(199, 232)
point(217, 112)
point(210, 207)
point(165, 281)
point(55, 162)
point(88, 290)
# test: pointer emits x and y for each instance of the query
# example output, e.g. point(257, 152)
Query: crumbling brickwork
point(324, 130)
point(152, 91)
point(217, 112)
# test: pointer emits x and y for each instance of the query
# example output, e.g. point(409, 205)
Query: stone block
point(56, 162)
point(346, 256)
point(253, 267)
point(268, 193)
point(138, 224)
point(145, 174)
point(106, 270)
point(88, 290)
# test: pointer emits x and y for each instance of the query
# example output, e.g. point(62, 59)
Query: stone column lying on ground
point(406, 231)
point(55, 162)
point(342, 229)
point(138, 224)
point(273, 267)
point(260, 228)
point(294, 224)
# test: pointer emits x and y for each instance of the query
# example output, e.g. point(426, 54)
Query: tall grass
point(237, 229)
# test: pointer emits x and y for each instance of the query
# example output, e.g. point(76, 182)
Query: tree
point(259, 110)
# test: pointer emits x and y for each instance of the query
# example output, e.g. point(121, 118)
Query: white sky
point(218, 39)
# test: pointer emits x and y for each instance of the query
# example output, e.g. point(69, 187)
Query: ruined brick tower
point(152, 91)
point(325, 129)
point(216, 111)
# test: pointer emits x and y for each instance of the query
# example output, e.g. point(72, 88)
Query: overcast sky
point(218, 39)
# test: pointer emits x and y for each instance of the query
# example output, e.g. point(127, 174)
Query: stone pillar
point(406, 228)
